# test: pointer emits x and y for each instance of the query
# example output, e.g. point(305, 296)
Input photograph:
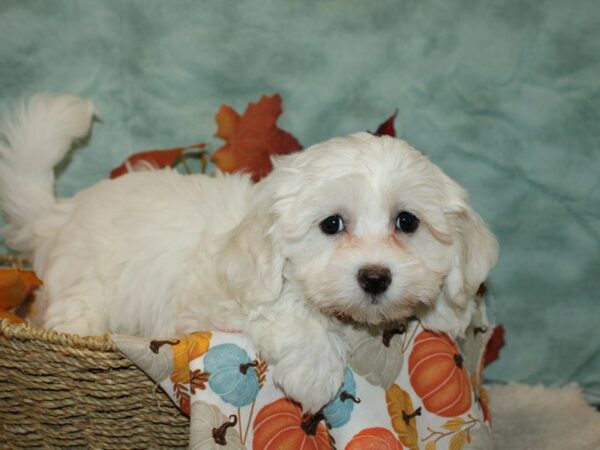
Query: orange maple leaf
point(15, 286)
point(12, 318)
point(251, 139)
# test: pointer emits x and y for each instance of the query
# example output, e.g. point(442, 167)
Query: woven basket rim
point(28, 332)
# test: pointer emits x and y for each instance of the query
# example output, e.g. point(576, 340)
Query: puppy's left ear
point(474, 253)
point(476, 249)
point(250, 264)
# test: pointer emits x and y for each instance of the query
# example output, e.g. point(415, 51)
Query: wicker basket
point(61, 390)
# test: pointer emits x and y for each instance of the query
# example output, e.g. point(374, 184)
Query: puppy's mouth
point(375, 313)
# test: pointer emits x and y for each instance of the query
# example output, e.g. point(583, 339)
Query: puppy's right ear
point(250, 263)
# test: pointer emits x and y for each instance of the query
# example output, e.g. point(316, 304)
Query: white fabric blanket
point(533, 417)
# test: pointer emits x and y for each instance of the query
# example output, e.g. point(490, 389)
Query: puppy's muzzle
point(374, 280)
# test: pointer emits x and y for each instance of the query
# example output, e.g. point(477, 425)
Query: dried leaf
point(198, 380)
point(252, 138)
point(454, 424)
point(261, 372)
point(431, 445)
point(152, 158)
point(15, 286)
point(494, 345)
point(403, 415)
point(387, 127)
point(183, 397)
point(458, 441)
point(13, 318)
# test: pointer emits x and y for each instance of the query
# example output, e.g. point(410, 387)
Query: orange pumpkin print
point(374, 439)
point(281, 425)
point(438, 376)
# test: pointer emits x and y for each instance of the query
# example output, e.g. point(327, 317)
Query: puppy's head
point(369, 228)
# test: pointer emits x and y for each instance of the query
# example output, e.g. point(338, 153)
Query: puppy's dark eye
point(407, 222)
point(332, 225)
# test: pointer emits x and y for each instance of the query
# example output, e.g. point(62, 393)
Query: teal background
point(504, 95)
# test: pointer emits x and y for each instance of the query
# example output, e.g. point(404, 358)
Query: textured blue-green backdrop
point(503, 94)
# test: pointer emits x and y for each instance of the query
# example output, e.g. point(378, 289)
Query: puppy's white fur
point(156, 253)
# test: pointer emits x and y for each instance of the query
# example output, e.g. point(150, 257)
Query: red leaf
point(251, 139)
point(496, 342)
point(156, 158)
point(387, 127)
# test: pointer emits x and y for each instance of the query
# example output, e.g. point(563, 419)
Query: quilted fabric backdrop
point(504, 95)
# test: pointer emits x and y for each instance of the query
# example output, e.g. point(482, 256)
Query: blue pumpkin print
point(232, 374)
point(338, 411)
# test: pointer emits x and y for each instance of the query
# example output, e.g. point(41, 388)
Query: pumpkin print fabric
point(438, 376)
point(434, 402)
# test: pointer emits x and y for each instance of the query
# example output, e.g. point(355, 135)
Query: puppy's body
point(136, 255)
point(160, 254)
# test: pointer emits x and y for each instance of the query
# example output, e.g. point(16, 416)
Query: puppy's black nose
point(374, 279)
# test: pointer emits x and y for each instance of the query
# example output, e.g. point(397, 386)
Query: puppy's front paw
point(311, 380)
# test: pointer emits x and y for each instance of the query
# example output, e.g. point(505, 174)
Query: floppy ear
point(250, 264)
point(474, 252)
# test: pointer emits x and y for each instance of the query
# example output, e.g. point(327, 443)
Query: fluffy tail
point(35, 140)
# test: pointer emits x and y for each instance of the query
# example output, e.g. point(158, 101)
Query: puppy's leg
point(72, 312)
point(308, 356)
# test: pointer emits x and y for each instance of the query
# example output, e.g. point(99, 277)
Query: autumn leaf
point(15, 286)
point(458, 441)
point(454, 424)
point(403, 415)
point(198, 380)
point(13, 318)
point(251, 139)
point(183, 397)
point(153, 158)
point(261, 371)
point(494, 345)
point(431, 445)
point(387, 127)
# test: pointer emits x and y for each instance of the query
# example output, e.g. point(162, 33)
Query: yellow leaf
point(403, 415)
point(431, 445)
point(454, 424)
point(458, 441)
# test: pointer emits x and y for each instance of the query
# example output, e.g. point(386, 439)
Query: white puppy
point(362, 226)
